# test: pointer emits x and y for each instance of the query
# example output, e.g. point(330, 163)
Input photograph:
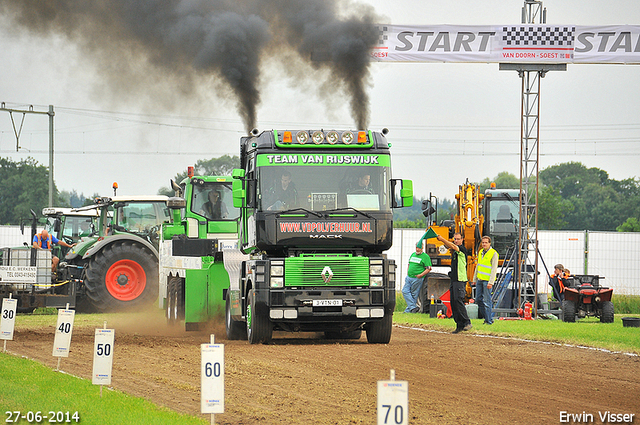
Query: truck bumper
point(314, 305)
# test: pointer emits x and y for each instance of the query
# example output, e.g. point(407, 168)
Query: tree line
point(570, 197)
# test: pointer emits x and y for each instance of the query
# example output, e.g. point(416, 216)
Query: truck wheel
point(258, 326)
point(235, 330)
point(122, 275)
point(343, 335)
point(379, 332)
point(175, 300)
point(607, 312)
point(568, 311)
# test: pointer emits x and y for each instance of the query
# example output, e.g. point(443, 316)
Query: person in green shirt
point(419, 267)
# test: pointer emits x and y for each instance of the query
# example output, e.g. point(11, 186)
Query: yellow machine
point(494, 213)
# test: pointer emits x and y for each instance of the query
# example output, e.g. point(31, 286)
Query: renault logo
point(327, 274)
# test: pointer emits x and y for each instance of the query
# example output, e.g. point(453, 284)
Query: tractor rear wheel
point(236, 330)
point(379, 332)
point(568, 311)
point(122, 275)
point(259, 327)
point(607, 312)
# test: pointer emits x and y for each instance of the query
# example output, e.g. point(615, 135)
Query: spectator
point(419, 267)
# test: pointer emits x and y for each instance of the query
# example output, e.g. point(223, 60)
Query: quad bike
point(585, 297)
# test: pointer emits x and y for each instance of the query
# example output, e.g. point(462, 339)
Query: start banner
point(521, 43)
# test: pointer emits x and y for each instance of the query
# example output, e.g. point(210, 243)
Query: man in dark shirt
point(284, 194)
point(459, 278)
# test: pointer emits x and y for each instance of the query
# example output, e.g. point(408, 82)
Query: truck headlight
point(277, 270)
point(375, 269)
point(375, 281)
point(277, 282)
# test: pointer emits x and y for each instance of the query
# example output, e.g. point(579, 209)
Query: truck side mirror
point(239, 194)
point(406, 193)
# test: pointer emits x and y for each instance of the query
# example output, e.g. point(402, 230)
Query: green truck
point(315, 220)
point(200, 237)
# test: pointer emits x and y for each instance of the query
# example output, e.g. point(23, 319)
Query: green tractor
point(200, 238)
point(116, 267)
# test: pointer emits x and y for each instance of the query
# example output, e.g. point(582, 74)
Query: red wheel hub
point(126, 280)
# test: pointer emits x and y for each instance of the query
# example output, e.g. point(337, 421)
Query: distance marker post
point(8, 319)
point(64, 328)
point(393, 401)
point(212, 378)
point(103, 357)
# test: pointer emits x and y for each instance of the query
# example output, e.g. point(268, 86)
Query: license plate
point(327, 303)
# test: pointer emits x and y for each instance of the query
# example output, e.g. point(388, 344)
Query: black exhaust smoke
point(138, 44)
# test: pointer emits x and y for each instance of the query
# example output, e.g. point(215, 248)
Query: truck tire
point(607, 312)
point(568, 311)
point(122, 275)
point(379, 332)
point(236, 330)
point(259, 328)
point(175, 300)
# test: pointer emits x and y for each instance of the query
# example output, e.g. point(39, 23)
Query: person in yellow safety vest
point(459, 279)
point(44, 240)
point(484, 278)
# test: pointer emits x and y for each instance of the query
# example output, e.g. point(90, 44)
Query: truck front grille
point(308, 271)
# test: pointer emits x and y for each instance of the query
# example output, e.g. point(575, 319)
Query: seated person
point(214, 208)
point(558, 281)
point(362, 185)
point(283, 195)
point(85, 229)
point(504, 215)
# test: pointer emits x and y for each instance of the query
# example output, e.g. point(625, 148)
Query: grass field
point(588, 331)
point(26, 385)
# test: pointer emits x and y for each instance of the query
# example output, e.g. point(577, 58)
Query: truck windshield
point(322, 188)
point(214, 201)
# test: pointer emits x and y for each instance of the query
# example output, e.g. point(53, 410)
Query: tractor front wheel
point(122, 275)
point(568, 311)
point(607, 312)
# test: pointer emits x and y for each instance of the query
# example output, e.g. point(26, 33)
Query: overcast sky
point(448, 122)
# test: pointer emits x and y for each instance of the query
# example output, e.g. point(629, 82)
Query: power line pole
point(18, 132)
point(527, 272)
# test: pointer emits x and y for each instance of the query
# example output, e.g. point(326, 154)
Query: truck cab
point(201, 235)
point(316, 217)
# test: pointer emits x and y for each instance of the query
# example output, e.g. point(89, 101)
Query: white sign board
point(18, 274)
point(212, 378)
point(513, 43)
point(103, 356)
point(8, 318)
point(393, 403)
point(64, 327)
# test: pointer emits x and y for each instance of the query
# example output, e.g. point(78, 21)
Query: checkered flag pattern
point(538, 36)
point(382, 35)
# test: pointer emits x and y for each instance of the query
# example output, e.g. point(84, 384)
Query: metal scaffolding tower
point(526, 271)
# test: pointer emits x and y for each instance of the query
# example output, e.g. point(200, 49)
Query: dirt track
point(453, 379)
